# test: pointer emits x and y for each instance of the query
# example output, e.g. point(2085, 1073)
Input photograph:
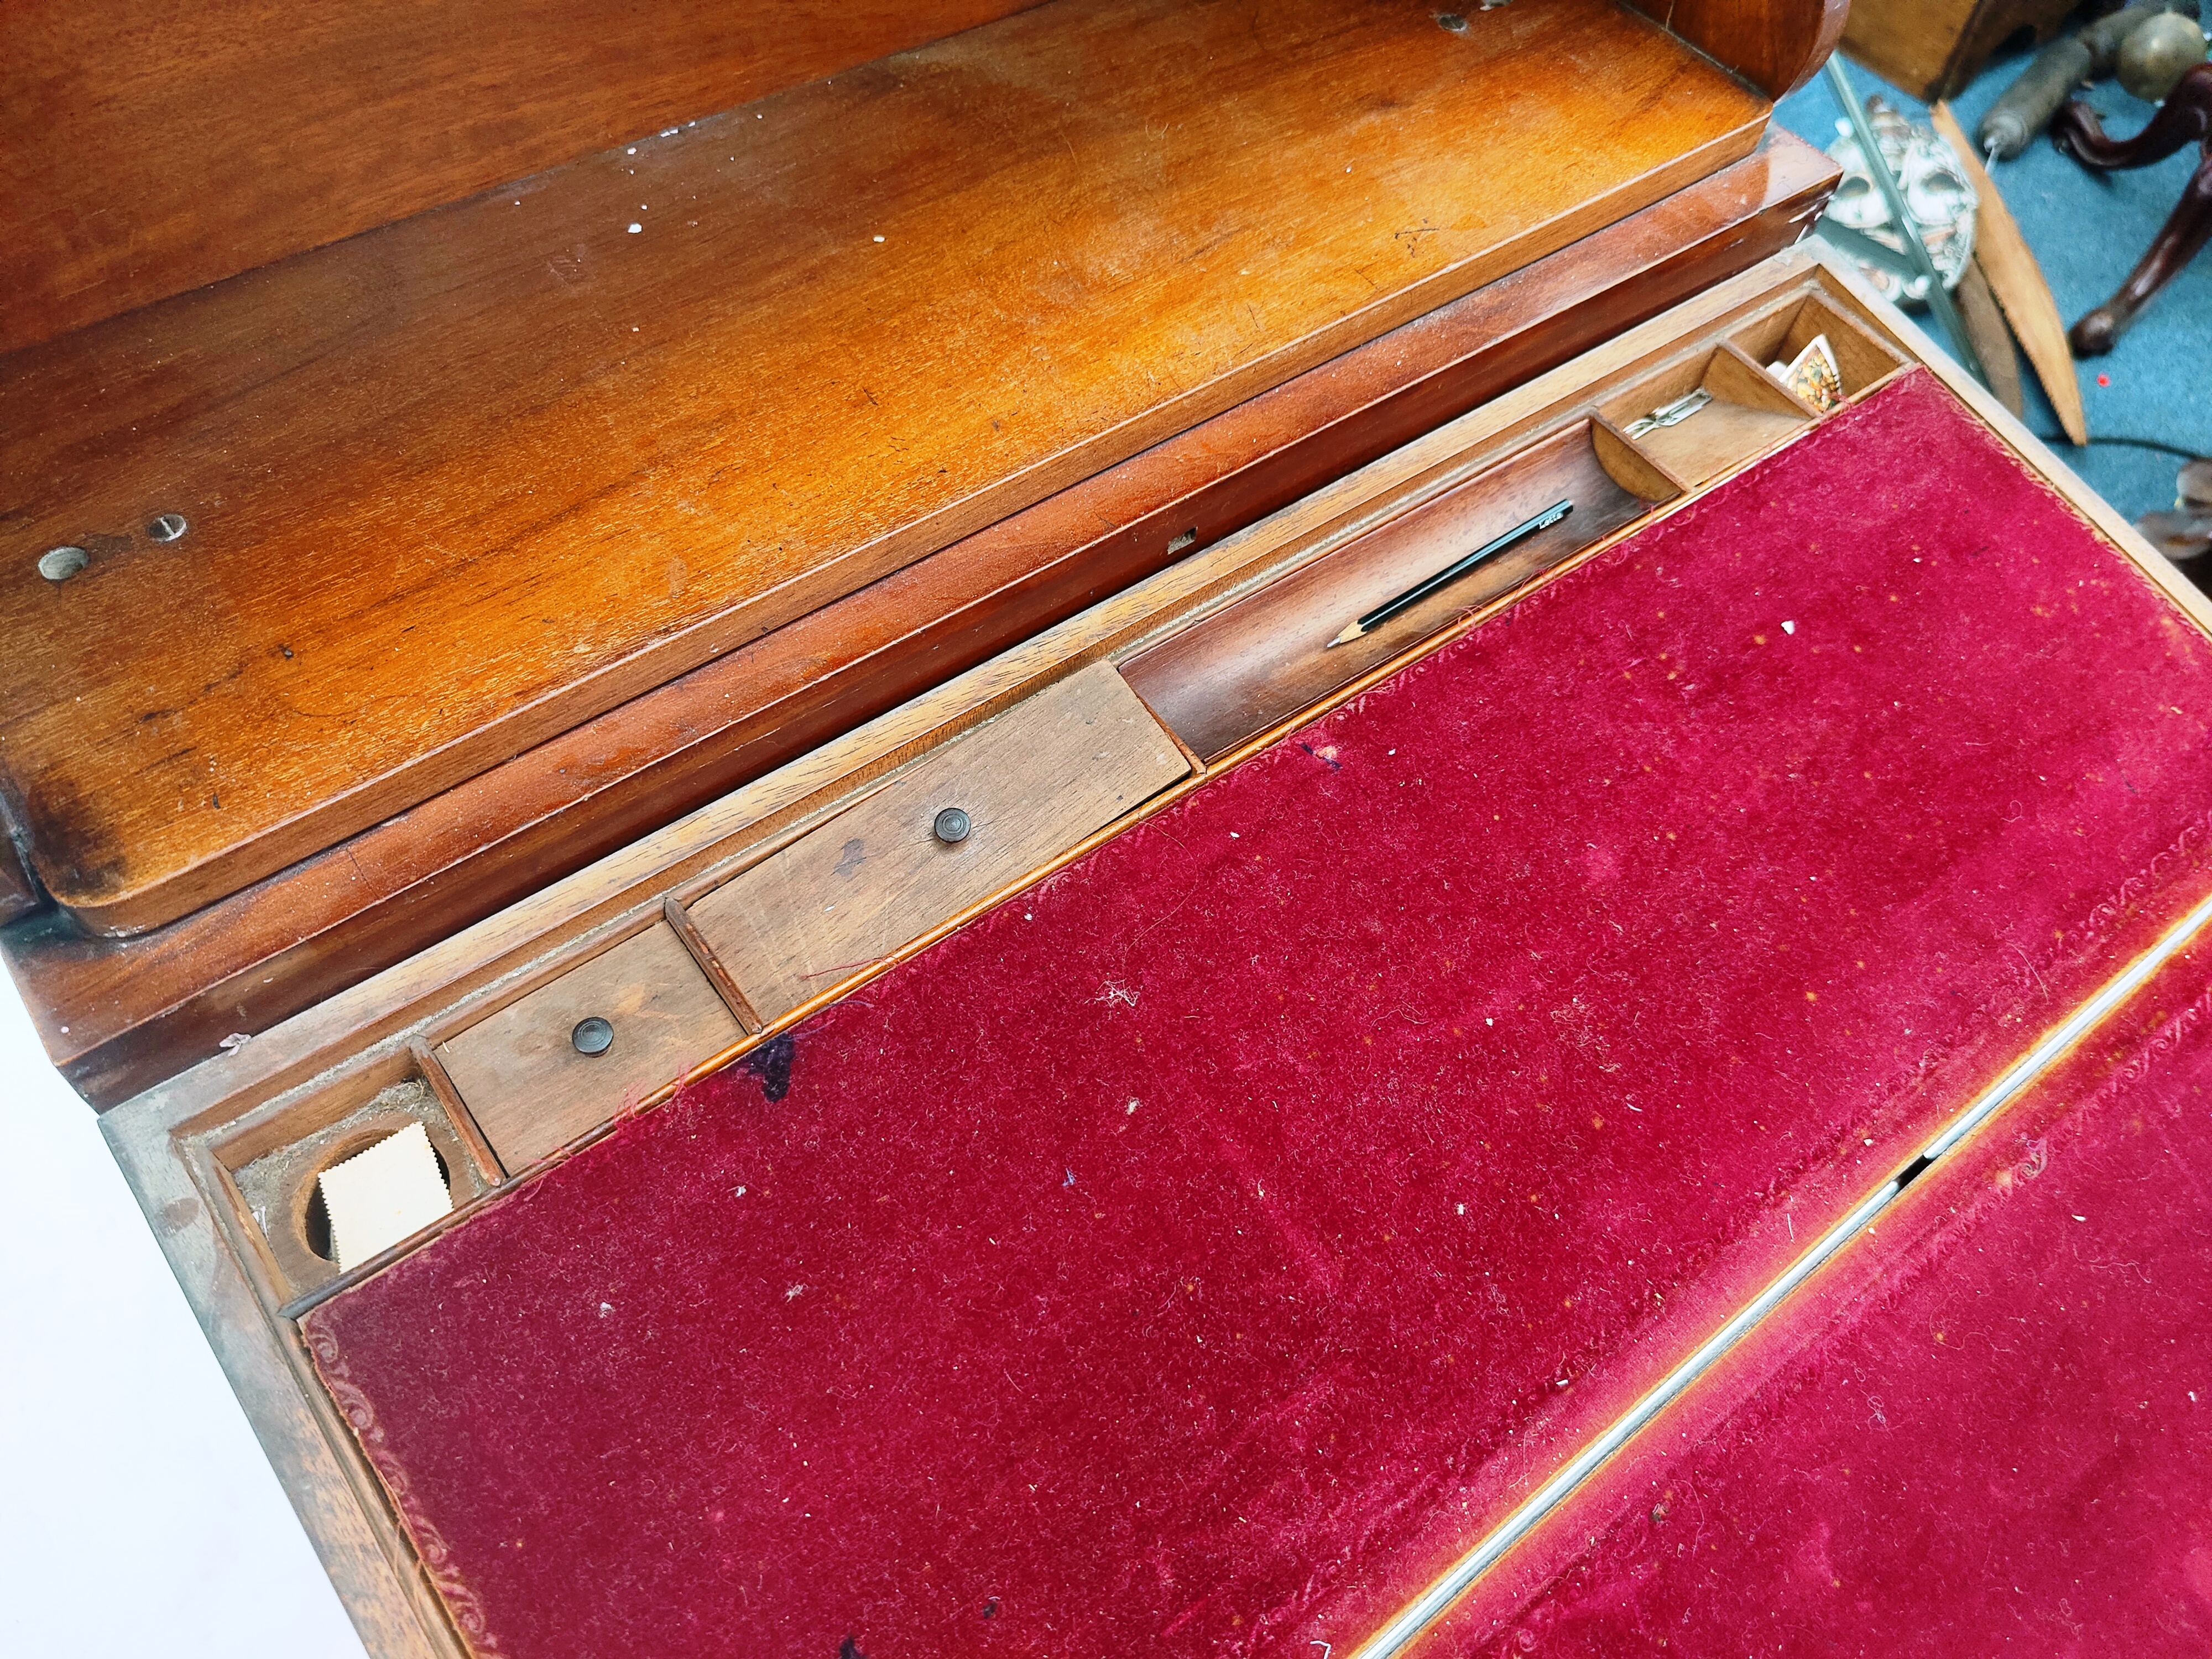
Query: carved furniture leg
point(2185, 118)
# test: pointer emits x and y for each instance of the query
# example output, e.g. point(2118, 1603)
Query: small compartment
point(1229, 677)
point(562, 1059)
point(1863, 362)
point(281, 1183)
point(1707, 414)
point(966, 820)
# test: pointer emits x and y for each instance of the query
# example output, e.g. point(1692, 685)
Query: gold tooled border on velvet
point(1417, 1615)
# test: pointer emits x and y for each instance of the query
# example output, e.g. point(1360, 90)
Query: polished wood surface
point(1034, 781)
point(148, 152)
point(118, 1015)
point(1776, 44)
point(464, 481)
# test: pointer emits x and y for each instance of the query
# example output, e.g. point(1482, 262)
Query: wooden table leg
point(2185, 118)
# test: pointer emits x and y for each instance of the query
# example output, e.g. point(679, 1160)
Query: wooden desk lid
point(461, 483)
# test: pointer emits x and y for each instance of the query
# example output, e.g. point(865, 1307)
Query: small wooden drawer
point(1031, 783)
point(528, 1072)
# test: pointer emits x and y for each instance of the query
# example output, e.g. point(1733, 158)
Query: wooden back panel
point(148, 149)
point(460, 484)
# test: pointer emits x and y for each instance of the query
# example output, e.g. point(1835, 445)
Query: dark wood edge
point(463, 1122)
point(141, 1009)
point(732, 994)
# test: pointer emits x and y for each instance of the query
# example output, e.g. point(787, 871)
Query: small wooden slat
point(1036, 781)
point(2018, 282)
point(733, 997)
point(460, 484)
point(531, 1092)
point(457, 1111)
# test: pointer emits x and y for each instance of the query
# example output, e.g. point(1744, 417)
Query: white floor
point(138, 1517)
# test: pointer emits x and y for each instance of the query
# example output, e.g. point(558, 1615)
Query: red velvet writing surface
point(1989, 1433)
point(1196, 1254)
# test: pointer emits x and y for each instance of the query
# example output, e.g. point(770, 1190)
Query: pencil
point(1451, 573)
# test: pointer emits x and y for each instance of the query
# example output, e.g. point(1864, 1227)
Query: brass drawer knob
point(951, 826)
point(593, 1036)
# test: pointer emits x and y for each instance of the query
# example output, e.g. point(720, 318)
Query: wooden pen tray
point(703, 945)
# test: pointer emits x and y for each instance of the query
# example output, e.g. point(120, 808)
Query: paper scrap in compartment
point(379, 1196)
point(1812, 375)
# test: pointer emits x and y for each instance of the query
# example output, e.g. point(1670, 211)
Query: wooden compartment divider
point(732, 994)
point(1864, 360)
point(1749, 414)
point(1630, 467)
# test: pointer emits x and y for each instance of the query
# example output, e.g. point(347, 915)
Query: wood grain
point(530, 1092)
point(1861, 359)
point(2018, 282)
point(1749, 414)
point(1932, 48)
point(1776, 44)
point(119, 1015)
point(152, 151)
point(466, 481)
point(1034, 781)
point(159, 1138)
point(1987, 334)
point(1231, 676)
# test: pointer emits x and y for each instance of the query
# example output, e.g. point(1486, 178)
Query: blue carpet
point(2087, 230)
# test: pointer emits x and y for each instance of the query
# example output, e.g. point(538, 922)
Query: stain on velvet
point(1997, 1437)
point(1428, 1086)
